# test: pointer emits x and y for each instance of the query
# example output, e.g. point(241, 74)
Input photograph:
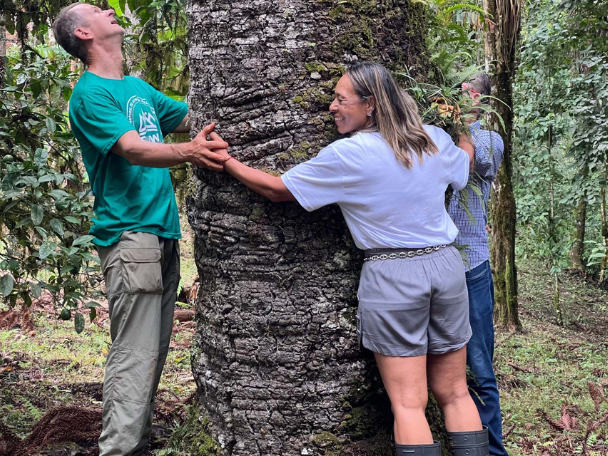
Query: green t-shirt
point(127, 197)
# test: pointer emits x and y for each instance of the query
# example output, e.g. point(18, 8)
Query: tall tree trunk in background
point(2, 51)
point(500, 42)
point(552, 229)
point(276, 358)
point(604, 233)
point(577, 250)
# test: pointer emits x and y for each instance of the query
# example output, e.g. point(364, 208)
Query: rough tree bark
point(500, 42)
point(276, 359)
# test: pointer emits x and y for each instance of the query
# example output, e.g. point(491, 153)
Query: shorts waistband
point(400, 253)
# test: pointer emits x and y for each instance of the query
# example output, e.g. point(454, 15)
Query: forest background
point(551, 352)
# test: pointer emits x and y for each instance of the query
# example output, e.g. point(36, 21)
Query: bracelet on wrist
point(229, 158)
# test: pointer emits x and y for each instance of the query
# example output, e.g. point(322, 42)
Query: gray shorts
point(414, 306)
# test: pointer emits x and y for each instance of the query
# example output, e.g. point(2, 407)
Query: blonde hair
point(395, 115)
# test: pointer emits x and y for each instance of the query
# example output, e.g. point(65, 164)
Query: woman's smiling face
point(349, 110)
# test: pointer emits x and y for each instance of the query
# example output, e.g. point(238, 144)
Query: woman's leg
point(447, 378)
point(405, 382)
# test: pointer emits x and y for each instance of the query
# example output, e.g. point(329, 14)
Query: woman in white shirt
point(389, 178)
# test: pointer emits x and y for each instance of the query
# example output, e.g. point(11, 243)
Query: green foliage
point(561, 139)
point(192, 436)
point(156, 43)
point(45, 206)
point(444, 104)
point(455, 41)
point(456, 30)
point(30, 19)
point(557, 367)
point(588, 95)
point(598, 253)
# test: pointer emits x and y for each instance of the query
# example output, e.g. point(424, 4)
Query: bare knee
point(410, 404)
point(450, 393)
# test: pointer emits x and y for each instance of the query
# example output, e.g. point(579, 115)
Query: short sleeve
point(317, 182)
point(489, 149)
point(98, 119)
point(457, 160)
point(169, 111)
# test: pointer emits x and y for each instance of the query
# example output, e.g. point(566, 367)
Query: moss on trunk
point(500, 43)
point(276, 357)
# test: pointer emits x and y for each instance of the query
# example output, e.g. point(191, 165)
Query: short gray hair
point(482, 84)
point(66, 22)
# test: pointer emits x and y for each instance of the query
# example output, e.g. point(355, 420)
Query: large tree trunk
point(500, 40)
point(276, 358)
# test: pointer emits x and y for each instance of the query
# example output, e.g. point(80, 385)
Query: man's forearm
point(157, 155)
point(200, 151)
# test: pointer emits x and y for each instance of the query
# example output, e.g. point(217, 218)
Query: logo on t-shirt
point(143, 117)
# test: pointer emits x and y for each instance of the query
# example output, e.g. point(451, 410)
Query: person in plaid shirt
point(473, 238)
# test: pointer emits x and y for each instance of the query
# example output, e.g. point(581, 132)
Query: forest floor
point(552, 379)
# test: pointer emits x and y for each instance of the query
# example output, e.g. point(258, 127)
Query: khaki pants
point(142, 275)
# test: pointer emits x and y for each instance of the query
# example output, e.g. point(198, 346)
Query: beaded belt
point(394, 254)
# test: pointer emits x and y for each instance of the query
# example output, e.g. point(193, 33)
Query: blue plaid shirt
point(472, 235)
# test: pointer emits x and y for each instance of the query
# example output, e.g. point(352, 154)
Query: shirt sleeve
point(100, 120)
point(317, 182)
point(489, 149)
point(170, 112)
point(457, 159)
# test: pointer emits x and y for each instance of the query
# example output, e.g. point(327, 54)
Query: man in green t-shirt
point(120, 123)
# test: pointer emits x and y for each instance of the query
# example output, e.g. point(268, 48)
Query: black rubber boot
point(472, 443)
point(432, 449)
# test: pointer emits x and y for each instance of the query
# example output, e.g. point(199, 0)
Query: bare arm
point(272, 187)
point(184, 125)
point(199, 151)
point(465, 144)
